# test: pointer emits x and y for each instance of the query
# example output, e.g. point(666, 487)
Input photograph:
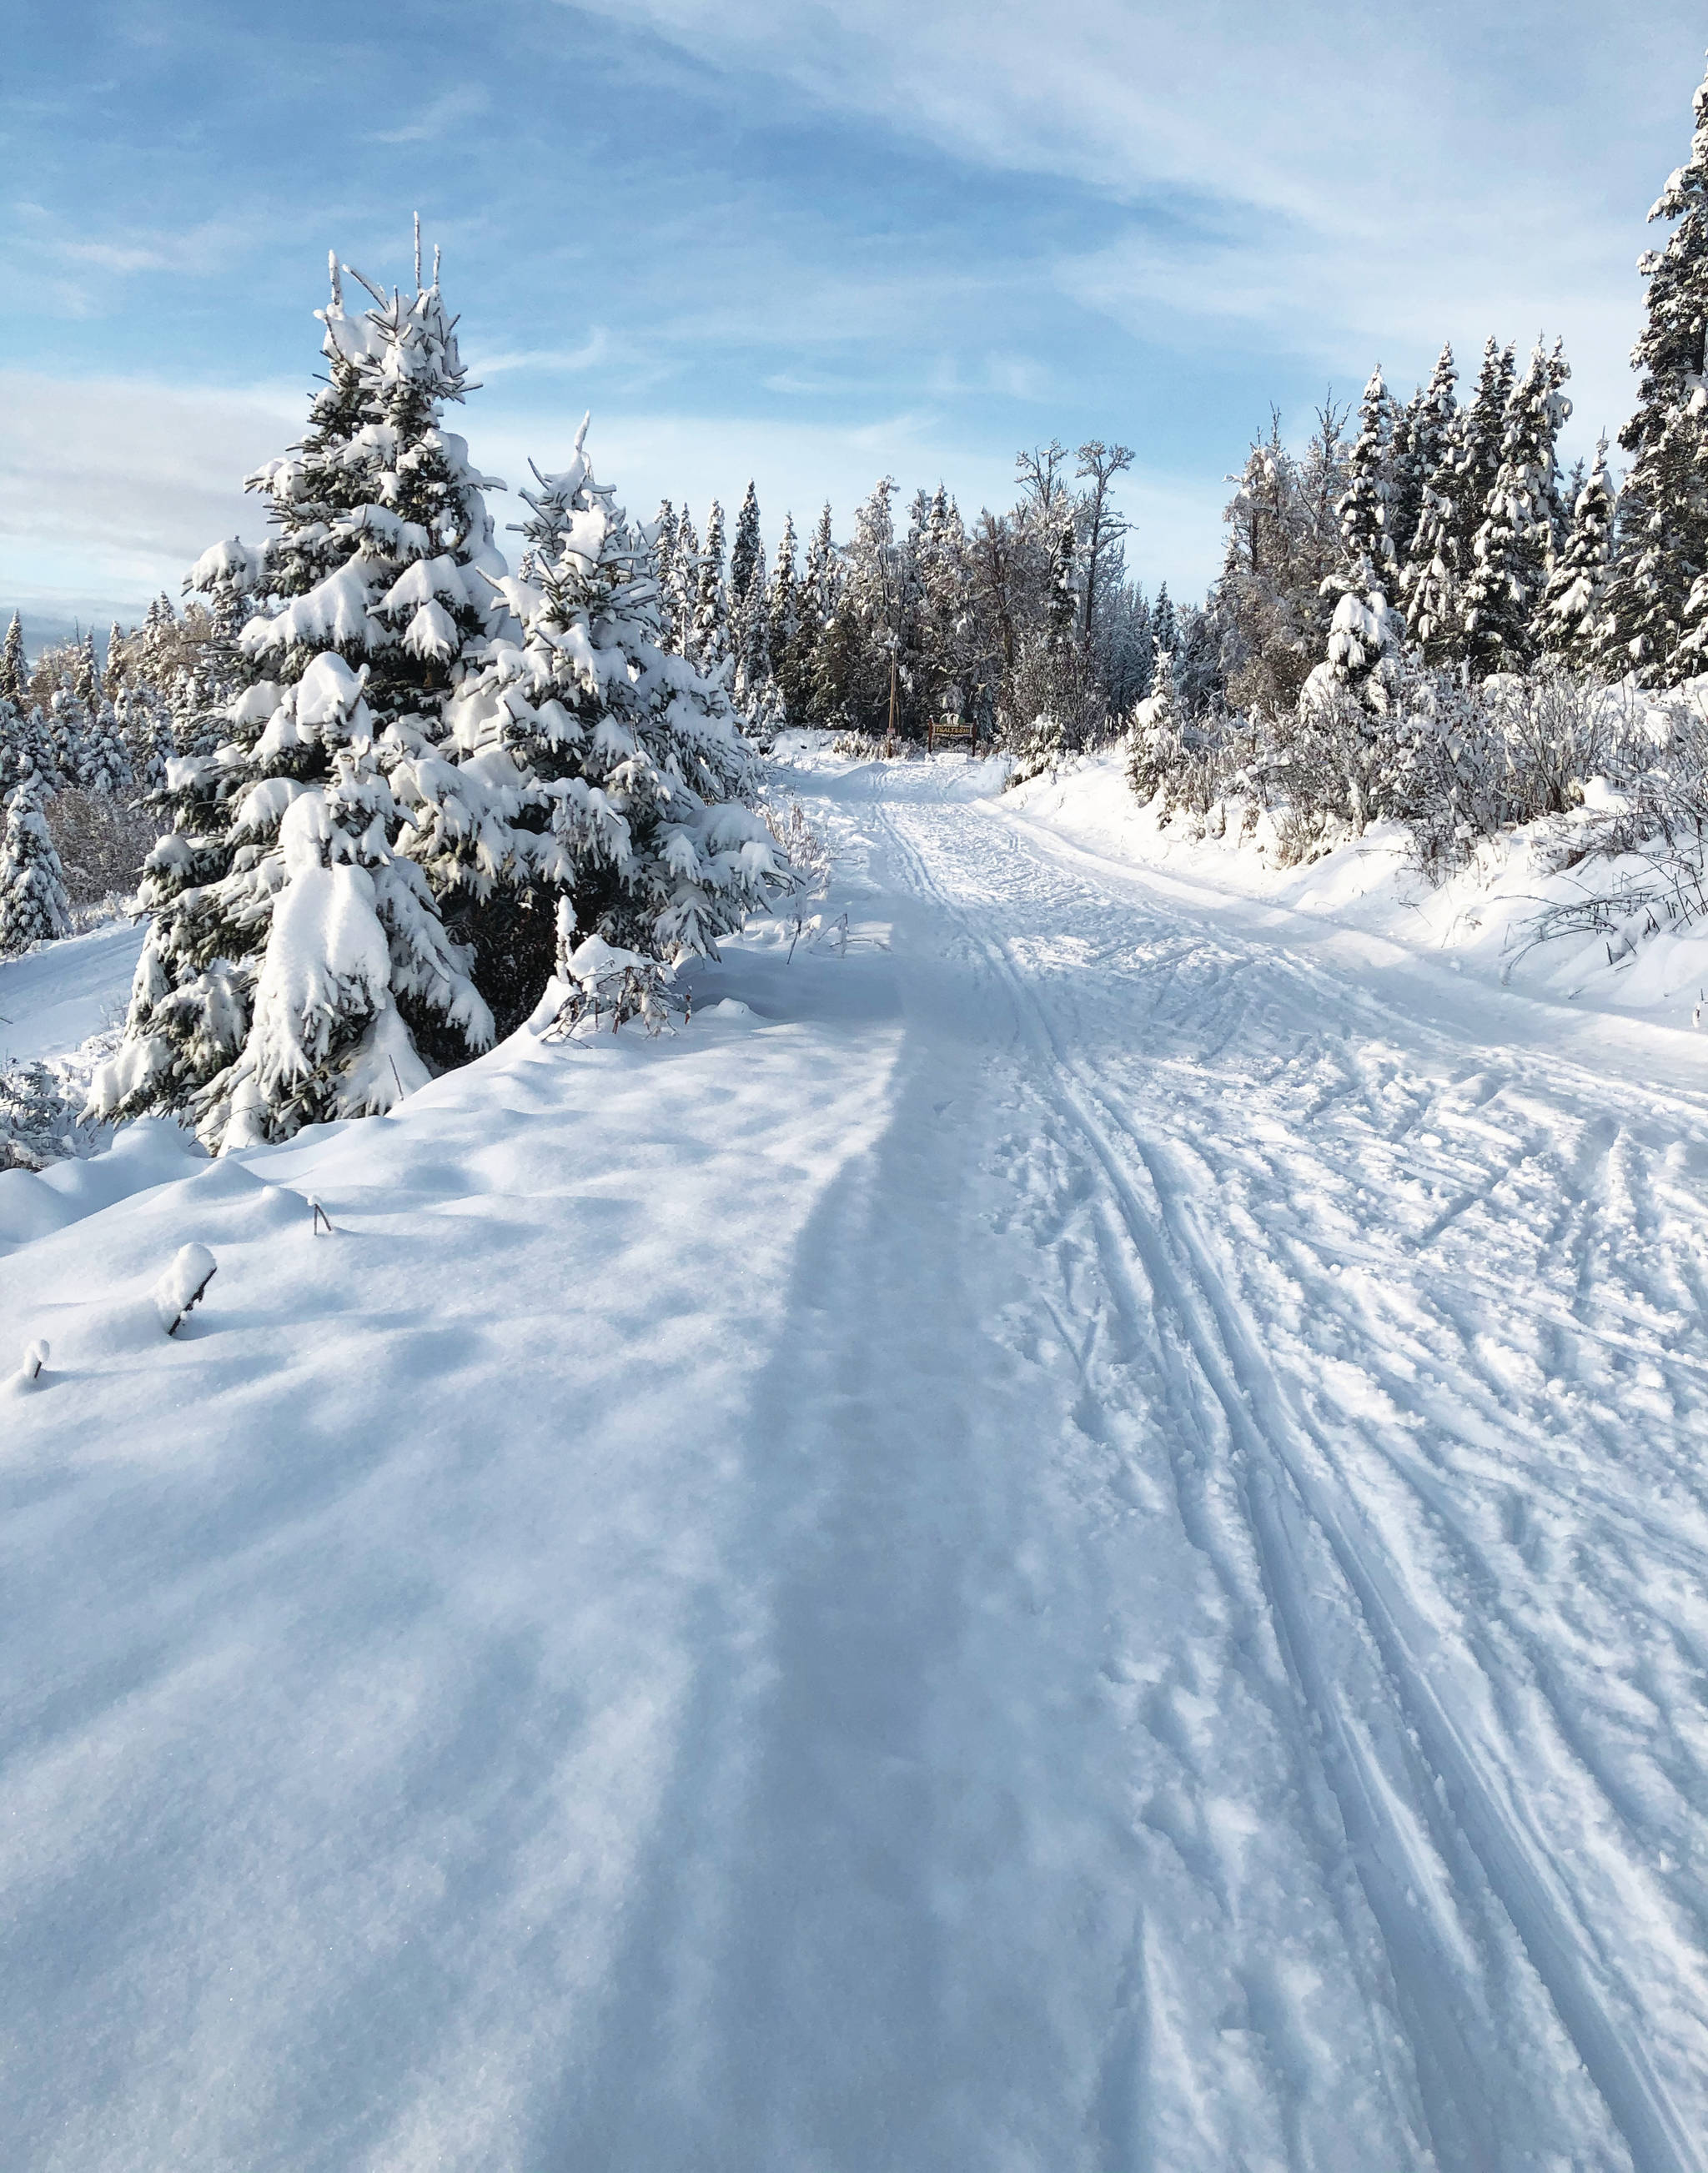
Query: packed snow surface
point(57, 995)
point(1070, 1533)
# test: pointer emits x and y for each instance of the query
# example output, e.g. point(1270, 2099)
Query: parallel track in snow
point(1403, 1723)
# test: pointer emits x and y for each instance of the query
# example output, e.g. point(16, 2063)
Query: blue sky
point(808, 244)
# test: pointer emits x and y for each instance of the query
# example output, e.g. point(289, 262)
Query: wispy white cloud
point(438, 117)
point(209, 247)
point(1009, 376)
point(546, 361)
point(1329, 178)
point(111, 487)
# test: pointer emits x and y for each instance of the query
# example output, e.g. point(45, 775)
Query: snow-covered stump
point(182, 1287)
point(28, 1374)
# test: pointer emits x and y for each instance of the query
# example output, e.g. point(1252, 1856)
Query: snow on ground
point(1485, 914)
point(1077, 1540)
point(59, 995)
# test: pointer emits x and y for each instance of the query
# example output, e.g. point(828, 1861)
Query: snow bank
point(1483, 919)
point(352, 1632)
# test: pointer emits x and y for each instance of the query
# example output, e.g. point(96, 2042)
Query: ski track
point(1456, 1707)
point(1162, 1629)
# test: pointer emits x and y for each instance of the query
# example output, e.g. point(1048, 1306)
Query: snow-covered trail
point(1087, 1551)
point(1410, 1321)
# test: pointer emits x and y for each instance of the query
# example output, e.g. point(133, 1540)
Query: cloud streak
point(439, 118)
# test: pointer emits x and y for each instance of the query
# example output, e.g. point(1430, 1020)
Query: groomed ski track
point(1174, 1638)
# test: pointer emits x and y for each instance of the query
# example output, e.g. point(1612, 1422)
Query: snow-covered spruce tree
point(1047, 702)
point(609, 771)
point(354, 943)
point(11, 764)
point(85, 673)
point(944, 612)
point(1411, 460)
point(1427, 444)
point(1482, 436)
point(1513, 546)
point(709, 642)
point(21, 753)
point(821, 586)
point(34, 907)
point(376, 577)
point(678, 610)
point(15, 670)
point(145, 727)
point(1164, 624)
point(1363, 656)
point(664, 574)
point(384, 538)
point(1570, 616)
point(1432, 584)
point(863, 638)
point(25, 749)
point(1153, 733)
point(68, 724)
point(782, 624)
point(1658, 597)
point(105, 762)
point(749, 633)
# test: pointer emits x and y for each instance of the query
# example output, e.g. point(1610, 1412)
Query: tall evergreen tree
point(378, 576)
point(783, 624)
point(946, 660)
point(104, 762)
point(16, 750)
point(664, 574)
point(1481, 434)
point(746, 559)
point(614, 769)
point(1659, 598)
point(682, 605)
point(1569, 619)
point(820, 587)
point(711, 638)
point(749, 634)
point(1434, 577)
point(1363, 634)
point(34, 907)
point(14, 670)
point(1164, 625)
point(1419, 454)
point(68, 724)
point(1513, 546)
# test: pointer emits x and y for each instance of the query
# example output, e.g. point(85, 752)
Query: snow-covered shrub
point(41, 1114)
point(802, 846)
point(1037, 746)
point(874, 746)
point(607, 986)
